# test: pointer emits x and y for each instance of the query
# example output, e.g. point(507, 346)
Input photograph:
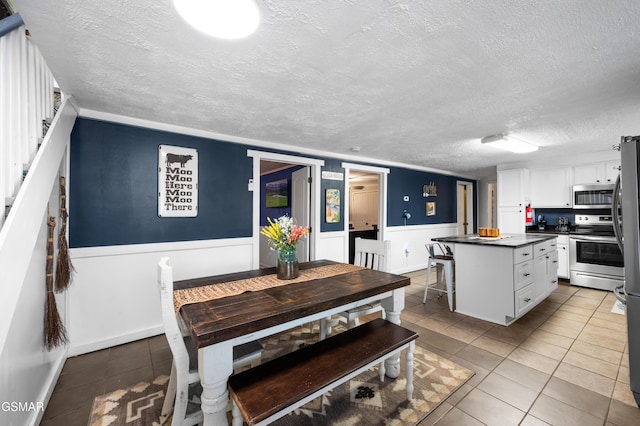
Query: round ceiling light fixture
point(228, 19)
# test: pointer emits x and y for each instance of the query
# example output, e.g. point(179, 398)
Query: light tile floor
point(563, 363)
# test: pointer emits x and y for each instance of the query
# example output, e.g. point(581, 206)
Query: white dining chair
point(444, 263)
point(184, 369)
point(372, 254)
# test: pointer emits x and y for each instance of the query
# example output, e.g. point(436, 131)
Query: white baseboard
point(412, 268)
point(48, 387)
point(115, 341)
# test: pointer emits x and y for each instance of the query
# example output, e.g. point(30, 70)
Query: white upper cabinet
point(588, 173)
point(611, 171)
point(596, 173)
point(551, 187)
point(513, 195)
point(512, 187)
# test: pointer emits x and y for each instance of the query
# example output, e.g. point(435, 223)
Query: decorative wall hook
point(429, 190)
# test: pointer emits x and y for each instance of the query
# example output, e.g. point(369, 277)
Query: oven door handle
point(594, 238)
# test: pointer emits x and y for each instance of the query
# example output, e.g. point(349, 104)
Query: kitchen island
point(499, 279)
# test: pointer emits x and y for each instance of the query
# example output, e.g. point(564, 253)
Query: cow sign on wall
point(177, 181)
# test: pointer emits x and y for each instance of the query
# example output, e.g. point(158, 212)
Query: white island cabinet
point(501, 279)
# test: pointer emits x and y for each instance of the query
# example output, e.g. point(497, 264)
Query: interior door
point(465, 208)
point(300, 202)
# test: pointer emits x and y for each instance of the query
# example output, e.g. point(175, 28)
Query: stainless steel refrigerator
point(626, 207)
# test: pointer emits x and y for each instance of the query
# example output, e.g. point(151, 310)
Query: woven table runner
point(216, 291)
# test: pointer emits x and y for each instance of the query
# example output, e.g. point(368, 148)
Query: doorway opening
point(465, 208)
point(364, 208)
point(285, 190)
point(492, 204)
point(310, 192)
point(365, 202)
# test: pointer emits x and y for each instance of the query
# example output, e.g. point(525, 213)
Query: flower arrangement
point(283, 235)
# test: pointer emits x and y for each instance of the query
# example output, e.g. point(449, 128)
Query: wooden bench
point(273, 389)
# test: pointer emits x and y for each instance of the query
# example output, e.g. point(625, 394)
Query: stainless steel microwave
point(593, 196)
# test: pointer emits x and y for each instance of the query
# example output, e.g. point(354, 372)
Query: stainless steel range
point(595, 260)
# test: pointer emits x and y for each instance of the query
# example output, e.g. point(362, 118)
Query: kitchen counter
point(501, 279)
point(550, 230)
point(508, 240)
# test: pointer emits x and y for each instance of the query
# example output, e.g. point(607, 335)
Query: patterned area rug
point(362, 400)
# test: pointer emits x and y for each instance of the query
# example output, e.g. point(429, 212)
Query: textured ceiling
point(415, 82)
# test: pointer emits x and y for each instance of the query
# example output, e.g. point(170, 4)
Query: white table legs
point(393, 307)
point(215, 364)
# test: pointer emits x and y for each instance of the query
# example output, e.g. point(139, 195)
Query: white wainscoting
point(408, 252)
point(114, 296)
point(331, 246)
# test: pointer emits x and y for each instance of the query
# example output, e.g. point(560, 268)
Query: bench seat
point(275, 388)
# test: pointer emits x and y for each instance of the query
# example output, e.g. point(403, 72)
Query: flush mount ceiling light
point(229, 19)
point(509, 143)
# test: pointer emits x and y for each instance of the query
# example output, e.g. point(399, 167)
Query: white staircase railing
point(26, 106)
point(26, 102)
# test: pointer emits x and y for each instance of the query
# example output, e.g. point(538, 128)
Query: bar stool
point(443, 263)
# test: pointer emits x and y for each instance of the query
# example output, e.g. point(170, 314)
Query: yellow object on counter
point(489, 232)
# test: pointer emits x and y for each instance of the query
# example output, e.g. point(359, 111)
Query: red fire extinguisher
point(529, 215)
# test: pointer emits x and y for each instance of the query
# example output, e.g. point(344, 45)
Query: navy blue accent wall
point(275, 212)
point(403, 182)
point(114, 186)
point(331, 166)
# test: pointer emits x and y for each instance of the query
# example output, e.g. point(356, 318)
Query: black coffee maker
point(542, 223)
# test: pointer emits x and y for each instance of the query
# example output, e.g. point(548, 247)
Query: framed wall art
point(332, 210)
point(431, 208)
point(177, 181)
point(277, 193)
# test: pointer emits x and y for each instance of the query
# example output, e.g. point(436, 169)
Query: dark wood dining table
point(219, 324)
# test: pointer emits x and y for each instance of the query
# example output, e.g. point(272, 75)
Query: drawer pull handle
point(527, 300)
point(525, 254)
point(526, 274)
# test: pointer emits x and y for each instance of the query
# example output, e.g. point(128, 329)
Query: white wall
point(408, 252)
point(114, 297)
point(28, 372)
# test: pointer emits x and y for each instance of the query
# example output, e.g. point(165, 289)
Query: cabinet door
point(551, 187)
point(552, 271)
point(563, 260)
point(540, 278)
point(511, 220)
point(511, 184)
point(588, 173)
point(611, 171)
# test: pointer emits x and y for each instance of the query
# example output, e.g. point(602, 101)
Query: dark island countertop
point(506, 240)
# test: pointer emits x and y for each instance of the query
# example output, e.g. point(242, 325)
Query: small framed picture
point(277, 193)
point(431, 208)
point(332, 211)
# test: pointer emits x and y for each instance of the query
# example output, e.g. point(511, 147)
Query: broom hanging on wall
point(64, 268)
point(55, 332)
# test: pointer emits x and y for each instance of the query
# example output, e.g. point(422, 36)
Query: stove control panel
point(587, 219)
